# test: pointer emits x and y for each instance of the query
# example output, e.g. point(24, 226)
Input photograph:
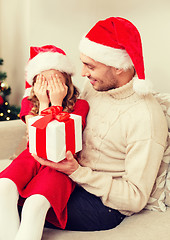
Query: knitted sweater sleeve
point(129, 193)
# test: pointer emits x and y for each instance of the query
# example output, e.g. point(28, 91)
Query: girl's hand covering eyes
point(57, 90)
point(40, 90)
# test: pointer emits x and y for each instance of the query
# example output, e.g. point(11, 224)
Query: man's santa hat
point(116, 42)
point(45, 58)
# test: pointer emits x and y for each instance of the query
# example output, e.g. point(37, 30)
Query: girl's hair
point(68, 101)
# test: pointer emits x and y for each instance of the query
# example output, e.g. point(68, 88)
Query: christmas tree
point(7, 111)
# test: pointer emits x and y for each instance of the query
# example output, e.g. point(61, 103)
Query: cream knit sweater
point(123, 145)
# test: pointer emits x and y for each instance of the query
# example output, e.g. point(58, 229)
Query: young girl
point(41, 190)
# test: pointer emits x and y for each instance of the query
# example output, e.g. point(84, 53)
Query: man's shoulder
point(147, 105)
point(147, 118)
point(154, 106)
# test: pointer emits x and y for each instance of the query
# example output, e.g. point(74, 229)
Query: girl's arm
point(81, 108)
point(26, 107)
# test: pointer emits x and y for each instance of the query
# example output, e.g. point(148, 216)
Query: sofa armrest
point(11, 133)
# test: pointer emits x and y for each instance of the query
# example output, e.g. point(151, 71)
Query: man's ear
point(119, 71)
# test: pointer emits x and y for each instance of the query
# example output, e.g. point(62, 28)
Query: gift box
point(50, 138)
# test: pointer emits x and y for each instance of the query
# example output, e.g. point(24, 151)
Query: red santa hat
point(45, 58)
point(116, 42)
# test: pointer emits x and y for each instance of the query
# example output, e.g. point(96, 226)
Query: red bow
point(51, 113)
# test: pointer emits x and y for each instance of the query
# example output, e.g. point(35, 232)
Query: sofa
point(152, 223)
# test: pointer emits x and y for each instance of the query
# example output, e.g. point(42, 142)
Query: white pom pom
point(142, 87)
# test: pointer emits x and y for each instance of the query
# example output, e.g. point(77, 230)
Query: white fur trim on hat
point(45, 61)
point(142, 87)
point(114, 57)
point(27, 92)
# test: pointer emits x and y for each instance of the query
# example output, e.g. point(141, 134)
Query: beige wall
point(63, 22)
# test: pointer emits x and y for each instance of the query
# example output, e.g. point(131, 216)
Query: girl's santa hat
point(45, 58)
point(116, 42)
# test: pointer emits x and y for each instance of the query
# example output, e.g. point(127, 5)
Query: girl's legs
point(33, 218)
point(9, 218)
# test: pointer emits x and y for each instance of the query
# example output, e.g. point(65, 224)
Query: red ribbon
point(49, 114)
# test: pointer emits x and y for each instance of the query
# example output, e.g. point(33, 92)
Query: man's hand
point(67, 166)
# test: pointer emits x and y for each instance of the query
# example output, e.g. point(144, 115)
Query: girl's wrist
point(56, 104)
point(43, 106)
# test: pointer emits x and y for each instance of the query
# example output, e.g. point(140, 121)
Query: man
point(125, 136)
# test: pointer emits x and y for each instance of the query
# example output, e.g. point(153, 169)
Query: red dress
point(33, 178)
